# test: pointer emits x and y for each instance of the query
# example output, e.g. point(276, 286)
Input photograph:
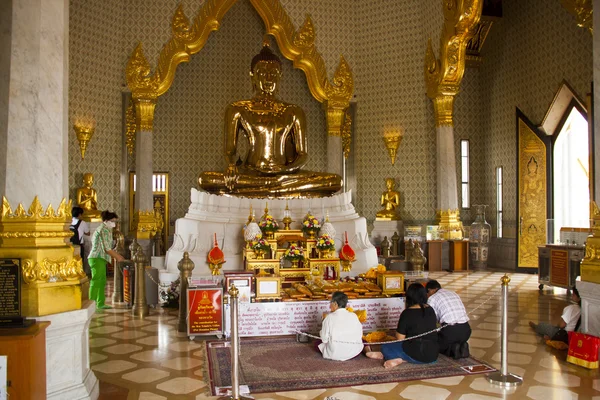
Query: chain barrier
point(398, 340)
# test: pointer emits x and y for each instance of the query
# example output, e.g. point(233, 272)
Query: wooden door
point(532, 192)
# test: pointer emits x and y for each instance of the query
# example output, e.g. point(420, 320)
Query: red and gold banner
point(205, 311)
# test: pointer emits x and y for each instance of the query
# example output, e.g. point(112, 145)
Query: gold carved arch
point(186, 40)
point(443, 76)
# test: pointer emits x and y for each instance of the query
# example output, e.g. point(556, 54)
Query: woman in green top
point(100, 254)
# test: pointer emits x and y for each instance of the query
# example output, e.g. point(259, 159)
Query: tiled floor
point(153, 361)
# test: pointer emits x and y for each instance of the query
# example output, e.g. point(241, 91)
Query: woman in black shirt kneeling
point(417, 318)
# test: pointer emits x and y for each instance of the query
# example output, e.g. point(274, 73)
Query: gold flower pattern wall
point(384, 45)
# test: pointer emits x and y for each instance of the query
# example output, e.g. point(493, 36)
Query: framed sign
point(205, 311)
point(10, 290)
point(268, 287)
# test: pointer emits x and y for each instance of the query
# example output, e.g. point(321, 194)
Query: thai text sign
point(205, 311)
point(285, 318)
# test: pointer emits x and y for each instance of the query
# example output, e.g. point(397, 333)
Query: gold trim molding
point(444, 75)
point(53, 278)
point(130, 128)
point(347, 134)
point(186, 40)
point(450, 224)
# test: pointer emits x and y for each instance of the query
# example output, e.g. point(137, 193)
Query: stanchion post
point(140, 306)
point(185, 267)
point(117, 296)
point(235, 347)
point(503, 377)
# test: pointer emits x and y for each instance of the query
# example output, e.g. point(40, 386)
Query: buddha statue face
point(88, 180)
point(389, 182)
point(265, 77)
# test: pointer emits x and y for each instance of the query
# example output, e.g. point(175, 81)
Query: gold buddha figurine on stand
point(390, 199)
point(88, 200)
point(277, 148)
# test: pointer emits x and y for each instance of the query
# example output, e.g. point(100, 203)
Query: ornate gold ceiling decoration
point(186, 40)
point(583, 12)
point(36, 212)
point(444, 75)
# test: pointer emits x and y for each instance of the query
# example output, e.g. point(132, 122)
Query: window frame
point(465, 162)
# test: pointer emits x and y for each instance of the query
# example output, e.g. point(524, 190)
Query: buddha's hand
point(231, 176)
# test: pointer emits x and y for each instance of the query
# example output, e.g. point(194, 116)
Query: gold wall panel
point(532, 196)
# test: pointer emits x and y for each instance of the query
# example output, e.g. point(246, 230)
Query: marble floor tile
point(145, 375)
point(180, 385)
point(415, 392)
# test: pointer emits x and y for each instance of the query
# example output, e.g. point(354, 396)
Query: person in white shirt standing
point(341, 333)
point(79, 228)
point(568, 319)
point(451, 314)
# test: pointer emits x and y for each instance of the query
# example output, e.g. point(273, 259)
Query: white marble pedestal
point(224, 215)
point(386, 228)
point(68, 373)
point(590, 307)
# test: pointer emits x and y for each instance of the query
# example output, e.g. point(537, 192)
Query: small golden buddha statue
point(277, 148)
point(390, 199)
point(87, 198)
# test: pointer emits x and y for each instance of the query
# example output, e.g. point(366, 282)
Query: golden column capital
point(144, 224)
point(443, 107)
point(144, 114)
point(335, 118)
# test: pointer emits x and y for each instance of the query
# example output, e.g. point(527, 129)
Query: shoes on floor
point(454, 351)
point(104, 307)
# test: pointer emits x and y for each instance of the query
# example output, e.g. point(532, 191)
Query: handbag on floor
point(583, 350)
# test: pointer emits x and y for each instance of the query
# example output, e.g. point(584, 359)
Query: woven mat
point(275, 364)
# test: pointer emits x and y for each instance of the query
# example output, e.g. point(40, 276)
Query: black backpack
point(75, 239)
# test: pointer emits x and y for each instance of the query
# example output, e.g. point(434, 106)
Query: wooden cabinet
point(559, 265)
point(437, 255)
point(25, 349)
point(459, 255)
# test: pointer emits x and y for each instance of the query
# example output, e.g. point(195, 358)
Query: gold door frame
point(532, 207)
point(161, 196)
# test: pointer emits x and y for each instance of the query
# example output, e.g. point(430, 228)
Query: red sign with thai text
point(205, 311)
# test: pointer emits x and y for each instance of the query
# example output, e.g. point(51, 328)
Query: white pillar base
point(68, 373)
point(590, 307)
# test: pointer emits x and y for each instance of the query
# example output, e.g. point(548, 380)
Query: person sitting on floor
point(568, 321)
point(450, 312)
point(417, 318)
point(341, 333)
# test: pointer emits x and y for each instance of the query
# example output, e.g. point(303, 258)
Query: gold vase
point(259, 253)
point(327, 253)
point(295, 263)
point(311, 233)
point(269, 235)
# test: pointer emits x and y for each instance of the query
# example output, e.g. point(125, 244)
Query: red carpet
point(277, 364)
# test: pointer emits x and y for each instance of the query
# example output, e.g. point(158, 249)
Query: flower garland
point(268, 224)
point(325, 242)
point(260, 244)
point(310, 222)
point(170, 295)
point(294, 253)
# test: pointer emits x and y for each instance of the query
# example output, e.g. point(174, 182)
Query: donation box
point(205, 311)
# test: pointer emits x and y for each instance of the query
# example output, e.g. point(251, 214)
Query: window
point(499, 205)
point(464, 168)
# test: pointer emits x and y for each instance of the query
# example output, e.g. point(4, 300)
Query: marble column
point(447, 194)
point(33, 117)
point(143, 171)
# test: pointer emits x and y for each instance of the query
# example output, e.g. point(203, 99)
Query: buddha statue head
point(88, 180)
point(265, 71)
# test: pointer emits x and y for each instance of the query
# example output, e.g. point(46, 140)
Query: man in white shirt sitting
point(451, 314)
point(341, 333)
point(568, 319)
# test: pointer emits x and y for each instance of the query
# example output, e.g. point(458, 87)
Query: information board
point(205, 311)
point(10, 289)
point(285, 318)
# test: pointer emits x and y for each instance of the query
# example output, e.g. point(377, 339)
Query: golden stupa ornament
point(84, 135)
point(392, 141)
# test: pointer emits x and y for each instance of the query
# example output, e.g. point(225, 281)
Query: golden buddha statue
point(390, 199)
point(87, 198)
point(276, 133)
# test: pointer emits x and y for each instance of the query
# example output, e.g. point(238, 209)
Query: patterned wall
point(385, 45)
point(528, 54)
point(96, 61)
